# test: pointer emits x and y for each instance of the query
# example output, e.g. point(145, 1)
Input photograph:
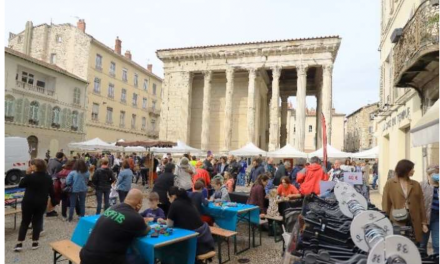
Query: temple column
point(228, 109)
point(274, 110)
point(251, 105)
point(301, 71)
point(283, 132)
point(327, 99)
point(318, 143)
point(187, 101)
point(206, 115)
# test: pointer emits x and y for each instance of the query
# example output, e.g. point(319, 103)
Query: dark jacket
point(205, 242)
point(294, 174)
point(281, 172)
point(162, 185)
point(219, 168)
point(255, 172)
point(234, 168)
point(207, 165)
point(103, 178)
point(39, 187)
point(53, 167)
point(256, 197)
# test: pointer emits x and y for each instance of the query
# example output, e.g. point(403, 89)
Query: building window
point(370, 129)
point(124, 75)
point(124, 96)
point(372, 116)
point(154, 88)
point(9, 108)
point(98, 62)
point(74, 120)
point(58, 38)
point(41, 84)
point(294, 129)
point(135, 81)
point(153, 105)
point(135, 97)
point(109, 117)
point(111, 90)
point(122, 119)
point(53, 58)
point(145, 85)
point(310, 129)
point(133, 121)
point(112, 69)
point(77, 96)
point(27, 78)
point(153, 125)
point(56, 111)
point(95, 112)
point(97, 85)
point(33, 120)
point(144, 123)
point(370, 142)
point(144, 103)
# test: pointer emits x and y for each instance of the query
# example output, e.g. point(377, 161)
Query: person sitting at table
point(257, 195)
point(199, 199)
point(220, 191)
point(229, 182)
point(115, 231)
point(154, 213)
point(163, 183)
point(183, 214)
point(204, 190)
point(287, 190)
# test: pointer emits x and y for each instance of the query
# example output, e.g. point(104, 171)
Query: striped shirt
point(435, 199)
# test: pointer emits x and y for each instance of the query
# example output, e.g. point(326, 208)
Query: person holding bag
point(102, 179)
point(403, 200)
point(76, 184)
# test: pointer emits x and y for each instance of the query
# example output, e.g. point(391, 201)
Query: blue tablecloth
point(182, 243)
point(227, 217)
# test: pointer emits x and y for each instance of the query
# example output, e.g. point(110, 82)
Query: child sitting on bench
point(220, 193)
point(154, 213)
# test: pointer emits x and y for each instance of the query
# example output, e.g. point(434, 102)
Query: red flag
point(324, 139)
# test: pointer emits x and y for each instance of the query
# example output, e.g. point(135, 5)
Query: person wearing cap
point(184, 173)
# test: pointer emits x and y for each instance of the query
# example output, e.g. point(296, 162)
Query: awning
point(250, 150)
point(287, 152)
point(367, 154)
point(331, 153)
point(95, 144)
point(426, 130)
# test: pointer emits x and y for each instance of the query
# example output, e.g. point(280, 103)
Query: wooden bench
point(13, 212)
point(66, 249)
point(277, 220)
point(221, 234)
point(207, 257)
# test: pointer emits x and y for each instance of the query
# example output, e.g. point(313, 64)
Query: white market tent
point(287, 152)
point(372, 153)
point(181, 148)
point(248, 150)
point(95, 144)
point(130, 149)
point(426, 129)
point(331, 153)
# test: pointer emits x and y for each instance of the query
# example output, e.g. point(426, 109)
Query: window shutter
point(18, 110)
point(26, 111)
point(69, 119)
point(81, 122)
point(42, 115)
point(63, 118)
point(49, 116)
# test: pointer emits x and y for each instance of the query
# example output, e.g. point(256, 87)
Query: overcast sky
point(145, 26)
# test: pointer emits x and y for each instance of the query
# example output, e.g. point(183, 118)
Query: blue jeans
point(375, 177)
point(99, 194)
point(82, 204)
point(433, 230)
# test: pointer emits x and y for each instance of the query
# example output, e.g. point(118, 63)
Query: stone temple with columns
point(221, 97)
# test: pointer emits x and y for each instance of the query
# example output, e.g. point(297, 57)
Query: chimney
point(128, 54)
point(81, 24)
point(150, 67)
point(28, 38)
point(118, 45)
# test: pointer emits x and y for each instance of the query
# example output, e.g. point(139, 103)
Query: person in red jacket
point(310, 176)
point(201, 173)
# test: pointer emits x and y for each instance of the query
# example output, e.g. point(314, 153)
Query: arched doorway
point(33, 146)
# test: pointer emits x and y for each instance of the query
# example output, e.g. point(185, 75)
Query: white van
point(17, 158)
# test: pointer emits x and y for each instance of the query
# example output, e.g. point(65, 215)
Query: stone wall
point(357, 135)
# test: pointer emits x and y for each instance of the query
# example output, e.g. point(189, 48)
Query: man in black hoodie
point(102, 180)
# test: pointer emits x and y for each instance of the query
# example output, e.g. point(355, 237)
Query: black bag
point(67, 189)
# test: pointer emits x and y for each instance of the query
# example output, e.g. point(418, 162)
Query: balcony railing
point(420, 36)
point(153, 133)
point(34, 88)
point(154, 111)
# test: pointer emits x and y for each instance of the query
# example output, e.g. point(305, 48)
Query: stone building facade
point(409, 83)
point(221, 97)
point(43, 103)
point(123, 98)
point(360, 127)
point(311, 144)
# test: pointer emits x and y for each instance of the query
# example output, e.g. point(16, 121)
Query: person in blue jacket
point(77, 180)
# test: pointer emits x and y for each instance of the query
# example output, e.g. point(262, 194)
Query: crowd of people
point(181, 190)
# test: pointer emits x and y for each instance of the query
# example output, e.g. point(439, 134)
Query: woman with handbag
point(77, 180)
point(403, 200)
point(61, 192)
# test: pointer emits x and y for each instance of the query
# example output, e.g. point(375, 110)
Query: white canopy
point(331, 153)
point(131, 149)
point(181, 148)
point(426, 129)
point(367, 154)
point(249, 150)
point(95, 144)
point(287, 152)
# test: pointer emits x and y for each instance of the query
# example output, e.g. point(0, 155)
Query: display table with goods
point(343, 228)
point(13, 197)
point(157, 245)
